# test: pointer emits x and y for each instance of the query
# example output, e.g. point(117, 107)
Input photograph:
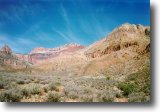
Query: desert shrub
point(20, 82)
point(72, 90)
point(53, 87)
point(118, 95)
point(27, 81)
point(53, 97)
point(2, 85)
point(127, 88)
point(10, 85)
point(132, 77)
point(141, 81)
point(107, 98)
point(87, 91)
point(147, 32)
point(44, 82)
point(87, 98)
point(108, 78)
point(35, 89)
point(146, 88)
point(73, 95)
point(32, 78)
point(138, 97)
point(25, 92)
point(57, 83)
point(37, 81)
point(13, 95)
point(45, 88)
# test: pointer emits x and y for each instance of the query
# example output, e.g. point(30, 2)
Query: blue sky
point(25, 24)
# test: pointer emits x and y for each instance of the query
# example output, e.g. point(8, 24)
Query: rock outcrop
point(124, 51)
point(6, 49)
point(66, 48)
point(8, 60)
point(135, 37)
point(40, 53)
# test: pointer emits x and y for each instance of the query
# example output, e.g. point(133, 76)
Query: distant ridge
point(123, 45)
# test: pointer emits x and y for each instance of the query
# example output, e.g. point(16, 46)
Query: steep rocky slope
point(135, 37)
point(124, 51)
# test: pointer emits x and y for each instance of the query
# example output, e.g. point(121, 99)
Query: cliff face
point(40, 53)
point(133, 37)
point(66, 48)
point(24, 57)
point(37, 54)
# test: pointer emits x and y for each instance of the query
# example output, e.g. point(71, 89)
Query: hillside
point(125, 50)
point(114, 69)
point(135, 37)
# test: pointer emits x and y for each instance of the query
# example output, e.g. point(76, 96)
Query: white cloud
point(25, 42)
point(69, 34)
point(63, 35)
point(64, 14)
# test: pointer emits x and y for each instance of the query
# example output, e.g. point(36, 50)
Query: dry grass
point(17, 87)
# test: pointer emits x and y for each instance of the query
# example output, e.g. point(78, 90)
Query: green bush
point(141, 80)
point(127, 88)
point(118, 95)
point(107, 78)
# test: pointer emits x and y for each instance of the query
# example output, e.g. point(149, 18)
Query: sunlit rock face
point(134, 37)
point(9, 60)
point(40, 53)
point(6, 49)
